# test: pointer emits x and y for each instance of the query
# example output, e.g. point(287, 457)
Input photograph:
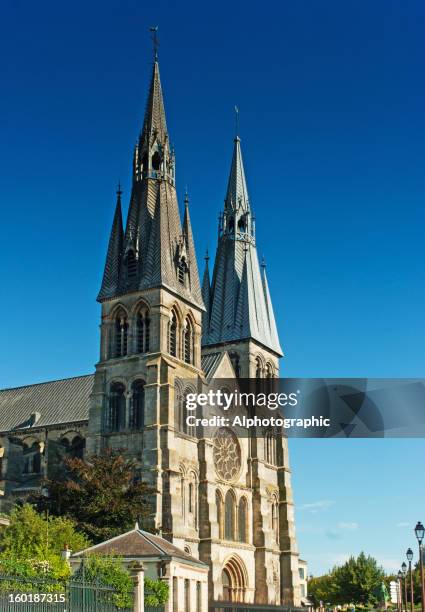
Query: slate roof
point(210, 362)
point(154, 232)
point(57, 401)
point(239, 303)
point(138, 543)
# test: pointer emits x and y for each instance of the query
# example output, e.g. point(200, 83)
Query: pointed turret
point(206, 293)
point(237, 192)
point(154, 121)
point(111, 274)
point(270, 313)
point(239, 307)
point(156, 250)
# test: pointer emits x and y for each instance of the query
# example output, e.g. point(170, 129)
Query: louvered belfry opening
point(137, 416)
point(116, 414)
point(143, 324)
point(120, 340)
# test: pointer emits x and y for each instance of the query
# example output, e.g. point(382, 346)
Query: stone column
point(138, 573)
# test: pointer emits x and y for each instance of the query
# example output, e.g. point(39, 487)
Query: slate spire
point(237, 192)
point(240, 305)
point(157, 250)
point(111, 274)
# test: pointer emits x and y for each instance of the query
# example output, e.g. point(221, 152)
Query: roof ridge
point(45, 382)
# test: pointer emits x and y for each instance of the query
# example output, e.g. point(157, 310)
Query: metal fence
point(27, 594)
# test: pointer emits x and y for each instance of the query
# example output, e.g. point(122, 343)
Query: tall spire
point(111, 274)
point(240, 306)
point(157, 250)
point(237, 192)
point(154, 123)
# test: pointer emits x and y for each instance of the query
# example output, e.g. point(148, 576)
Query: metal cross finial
point(119, 191)
point(263, 263)
point(207, 257)
point(155, 41)
point(236, 122)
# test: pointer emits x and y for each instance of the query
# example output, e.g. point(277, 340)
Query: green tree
point(31, 544)
point(321, 588)
point(357, 580)
point(103, 494)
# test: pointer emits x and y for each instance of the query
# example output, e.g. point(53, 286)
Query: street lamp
point(400, 590)
point(420, 532)
point(404, 572)
point(409, 556)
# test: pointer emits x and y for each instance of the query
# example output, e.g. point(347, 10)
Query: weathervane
point(155, 41)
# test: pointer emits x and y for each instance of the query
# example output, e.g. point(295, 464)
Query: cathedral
point(225, 501)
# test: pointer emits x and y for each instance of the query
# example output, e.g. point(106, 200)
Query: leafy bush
point(156, 592)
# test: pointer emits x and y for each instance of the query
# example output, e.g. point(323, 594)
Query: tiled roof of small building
point(49, 403)
point(138, 543)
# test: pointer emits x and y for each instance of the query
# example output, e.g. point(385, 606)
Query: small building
point(303, 573)
point(186, 576)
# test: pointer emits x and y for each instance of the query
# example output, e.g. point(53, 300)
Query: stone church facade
point(226, 501)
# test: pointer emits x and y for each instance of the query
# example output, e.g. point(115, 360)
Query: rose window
point(227, 454)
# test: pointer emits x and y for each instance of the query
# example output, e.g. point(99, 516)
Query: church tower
point(239, 317)
point(223, 500)
point(151, 332)
point(239, 320)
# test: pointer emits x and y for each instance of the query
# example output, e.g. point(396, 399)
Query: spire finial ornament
point(119, 190)
point(155, 41)
point(186, 197)
point(236, 123)
point(207, 256)
point(263, 262)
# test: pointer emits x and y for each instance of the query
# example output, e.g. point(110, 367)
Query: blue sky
point(331, 98)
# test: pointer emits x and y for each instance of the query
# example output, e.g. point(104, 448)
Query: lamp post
point(409, 556)
point(420, 532)
point(404, 572)
point(400, 590)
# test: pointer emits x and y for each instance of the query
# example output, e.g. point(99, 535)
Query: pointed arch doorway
point(234, 580)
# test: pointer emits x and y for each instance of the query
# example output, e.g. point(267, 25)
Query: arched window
point(270, 448)
point(242, 520)
point(182, 270)
point(269, 370)
point(192, 501)
point(121, 334)
point(181, 412)
point(116, 416)
point(137, 415)
point(32, 458)
point(229, 516)
point(188, 341)
point(219, 504)
point(156, 161)
point(143, 330)
point(131, 267)
point(275, 519)
point(241, 224)
point(77, 446)
point(172, 335)
point(234, 358)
